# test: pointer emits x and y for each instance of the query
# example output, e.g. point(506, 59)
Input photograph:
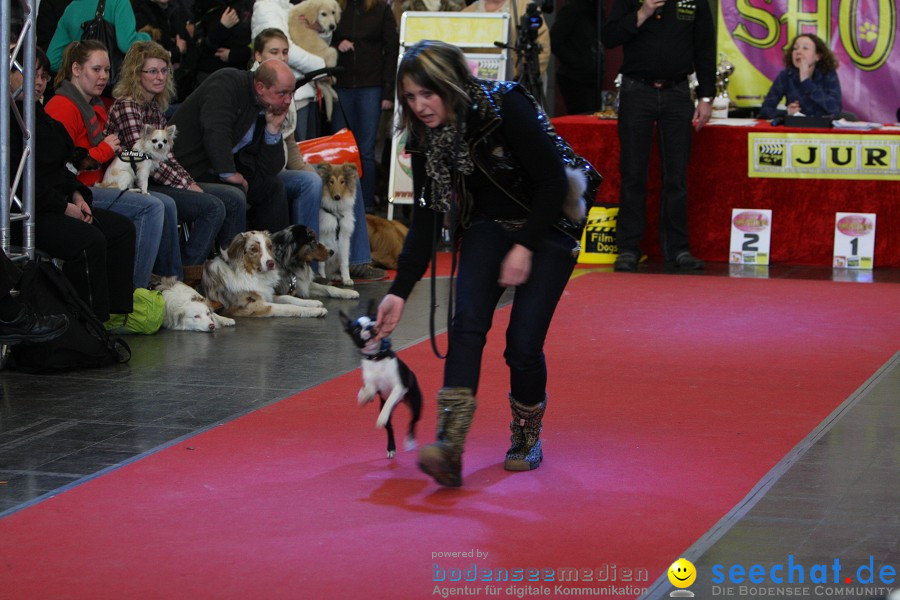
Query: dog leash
point(450, 295)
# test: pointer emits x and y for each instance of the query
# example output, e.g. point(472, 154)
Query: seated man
point(229, 130)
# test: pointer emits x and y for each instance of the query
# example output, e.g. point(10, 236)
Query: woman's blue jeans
point(147, 212)
point(235, 201)
point(482, 249)
point(304, 194)
point(363, 108)
point(205, 214)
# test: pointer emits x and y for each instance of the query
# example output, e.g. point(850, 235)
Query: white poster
point(751, 233)
point(854, 240)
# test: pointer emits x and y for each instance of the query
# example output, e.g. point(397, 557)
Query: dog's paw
point(318, 312)
point(409, 443)
point(391, 453)
point(362, 398)
point(345, 294)
point(347, 283)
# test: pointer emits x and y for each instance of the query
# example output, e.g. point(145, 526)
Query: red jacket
point(64, 110)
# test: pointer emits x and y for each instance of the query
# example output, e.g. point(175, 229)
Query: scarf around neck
point(447, 154)
point(94, 128)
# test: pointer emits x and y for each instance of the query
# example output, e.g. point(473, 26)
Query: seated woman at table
point(808, 83)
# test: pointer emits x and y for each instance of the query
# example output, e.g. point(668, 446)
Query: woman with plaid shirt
point(143, 93)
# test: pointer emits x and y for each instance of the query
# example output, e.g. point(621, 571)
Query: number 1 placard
point(751, 232)
point(854, 240)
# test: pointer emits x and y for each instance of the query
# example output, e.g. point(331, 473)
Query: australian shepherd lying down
point(295, 249)
point(243, 279)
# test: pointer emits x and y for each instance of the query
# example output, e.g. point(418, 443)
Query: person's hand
point(74, 212)
point(516, 266)
point(648, 7)
point(223, 54)
point(112, 140)
point(387, 104)
point(229, 18)
point(180, 43)
point(793, 108)
point(389, 312)
point(275, 117)
point(190, 28)
point(237, 179)
point(305, 22)
point(195, 188)
point(345, 46)
point(806, 69)
point(701, 115)
point(84, 210)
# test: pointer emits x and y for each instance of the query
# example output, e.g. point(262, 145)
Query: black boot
point(442, 460)
point(525, 453)
point(30, 327)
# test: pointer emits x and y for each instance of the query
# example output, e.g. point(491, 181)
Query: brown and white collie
point(243, 279)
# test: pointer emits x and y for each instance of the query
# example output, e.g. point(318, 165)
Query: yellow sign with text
point(823, 156)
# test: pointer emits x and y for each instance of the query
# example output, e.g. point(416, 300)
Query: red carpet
point(670, 397)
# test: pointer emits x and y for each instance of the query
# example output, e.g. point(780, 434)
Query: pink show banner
point(863, 34)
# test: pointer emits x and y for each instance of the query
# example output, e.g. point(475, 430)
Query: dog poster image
point(854, 240)
point(751, 234)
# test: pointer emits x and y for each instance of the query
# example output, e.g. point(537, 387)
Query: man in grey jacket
point(229, 131)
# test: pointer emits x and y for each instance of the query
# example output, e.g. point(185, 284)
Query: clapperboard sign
point(751, 232)
point(854, 240)
point(598, 242)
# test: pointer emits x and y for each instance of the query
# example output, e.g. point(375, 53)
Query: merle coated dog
point(384, 374)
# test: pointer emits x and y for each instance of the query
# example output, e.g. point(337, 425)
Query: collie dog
point(186, 309)
point(386, 240)
point(243, 279)
point(295, 248)
point(336, 220)
point(131, 169)
point(385, 375)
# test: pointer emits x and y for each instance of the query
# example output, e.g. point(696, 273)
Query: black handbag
point(103, 31)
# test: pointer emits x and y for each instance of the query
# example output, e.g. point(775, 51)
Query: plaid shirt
point(127, 119)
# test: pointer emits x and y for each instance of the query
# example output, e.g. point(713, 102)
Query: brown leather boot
point(442, 460)
point(525, 453)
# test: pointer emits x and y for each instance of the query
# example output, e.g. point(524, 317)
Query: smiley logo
point(682, 573)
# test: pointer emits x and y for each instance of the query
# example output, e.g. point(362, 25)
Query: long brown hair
point(129, 84)
point(76, 52)
point(439, 67)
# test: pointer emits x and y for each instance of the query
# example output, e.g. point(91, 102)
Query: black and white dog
point(386, 375)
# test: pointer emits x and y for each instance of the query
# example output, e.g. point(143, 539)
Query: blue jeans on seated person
point(147, 212)
point(205, 214)
point(235, 202)
point(484, 246)
point(304, 194)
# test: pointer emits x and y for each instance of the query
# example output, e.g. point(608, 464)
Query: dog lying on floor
point(186, 309)
point(243, 278)
point(336, 220)
point(385, 240)
point(295, 248)
point(386, 375)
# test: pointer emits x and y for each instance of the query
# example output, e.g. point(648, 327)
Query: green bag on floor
point(146, 318)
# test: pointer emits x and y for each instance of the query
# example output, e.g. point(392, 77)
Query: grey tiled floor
point(839, 498)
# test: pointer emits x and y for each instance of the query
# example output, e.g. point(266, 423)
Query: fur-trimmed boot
point(443, 459)
point(525, 453)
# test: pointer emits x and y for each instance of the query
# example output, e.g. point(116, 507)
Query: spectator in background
point(167, 22)
point(96, 245)
point(224, 35)
point(274, 14)
point(367, 42)
point(229, 131)
point(575, 39)
point(142, 95)
point(521, 6)
point(68, 30)
point(82, 77)
point(664, 41)
point(808, 83)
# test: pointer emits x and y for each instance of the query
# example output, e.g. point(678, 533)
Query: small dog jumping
point(131, 169)
point(336, 220)
point(384, 374)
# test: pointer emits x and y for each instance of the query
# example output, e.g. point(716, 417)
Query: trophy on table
point(722, 101)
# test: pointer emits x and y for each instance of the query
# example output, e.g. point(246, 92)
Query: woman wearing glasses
point(143, 92)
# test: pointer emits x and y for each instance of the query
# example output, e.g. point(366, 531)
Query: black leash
point(450, 295)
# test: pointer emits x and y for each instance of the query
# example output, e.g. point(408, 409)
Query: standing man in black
point(664, 42)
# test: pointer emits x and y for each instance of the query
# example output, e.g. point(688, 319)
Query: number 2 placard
point(751, 232)
point(854, 240)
